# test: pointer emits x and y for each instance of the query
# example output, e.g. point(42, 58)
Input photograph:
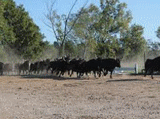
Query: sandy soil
point(48, 97)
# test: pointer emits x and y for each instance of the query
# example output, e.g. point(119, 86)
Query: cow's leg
point(87, 74)
point(62, 73)
point(47, 71)
point(105, 72)
point(38, 71)
point(52, 71)
point(94, 73)
point(152, 74)
point(48, 68)
point(19, 72)
point(145, 72)
point(111, 75)
point(81, 73)
point(71, 73)
point(77, 74)
point(68, 72)
point(26, 71)
point(42, 71)
point(58, 73)
point(99, 73)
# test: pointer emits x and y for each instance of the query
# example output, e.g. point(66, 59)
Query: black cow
point(33, 68)
point(24, 67)
point(75, 65)
point(38, 67)
point(16, 67)
point(59, 66)
point(7, 68)
point(101, 65)
point(152, 65)
point(1, 68)
point(148, 64)
point(52, 66)
point(93, 65)
point(43, 65)
point(109, 65)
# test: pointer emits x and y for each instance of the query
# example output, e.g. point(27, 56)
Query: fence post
point(136, 68)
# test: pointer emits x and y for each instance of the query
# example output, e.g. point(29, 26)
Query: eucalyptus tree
point(84, 30)
point(133, 42)
point(114, 19)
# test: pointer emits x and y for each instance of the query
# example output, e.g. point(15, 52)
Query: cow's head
point(118, 63)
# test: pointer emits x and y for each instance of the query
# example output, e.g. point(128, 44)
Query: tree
point(158, 32)
point(100, 29)
point(6, 32)
point(28, 39)
point(60, 24)
point(7, 37)
point(50, 52)
point(133, 42)
point(113, 20)
point(84, 31)
point(154, 47)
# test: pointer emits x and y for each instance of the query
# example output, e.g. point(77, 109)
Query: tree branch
point(81, 12)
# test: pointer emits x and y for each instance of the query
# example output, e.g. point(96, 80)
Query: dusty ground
point(47, 97)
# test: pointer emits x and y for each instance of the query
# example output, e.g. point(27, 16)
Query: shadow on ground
point(119, 80)
point(50, 77)
point(53, 77)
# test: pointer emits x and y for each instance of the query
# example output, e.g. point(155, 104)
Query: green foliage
point(133, 42)
point(93, 31)
point(84, 31)
point(70, 48)
point(27, 41)
point(50, 52)
point(158, 32)
point(99, 29)
point(6, 32)
point(153, 47)
point(113, 21)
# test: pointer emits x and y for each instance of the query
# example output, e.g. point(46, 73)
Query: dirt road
point(47, 97)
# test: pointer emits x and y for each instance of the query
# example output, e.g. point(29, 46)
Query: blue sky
point(144, 12)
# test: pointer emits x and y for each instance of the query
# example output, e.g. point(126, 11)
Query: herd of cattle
point(59, 66)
